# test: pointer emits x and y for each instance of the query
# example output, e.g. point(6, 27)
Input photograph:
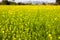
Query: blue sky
point(33, 0)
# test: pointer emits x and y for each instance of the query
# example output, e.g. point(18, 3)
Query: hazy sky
point(0, 0)
point(33, 0)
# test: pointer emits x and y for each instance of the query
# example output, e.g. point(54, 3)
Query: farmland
point(29, 22)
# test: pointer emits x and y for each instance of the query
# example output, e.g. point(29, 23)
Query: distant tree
point(0, 3)
point(58, 1)
point(21, 3)
point(5, 2)
point(43, 3)
point(13, 3)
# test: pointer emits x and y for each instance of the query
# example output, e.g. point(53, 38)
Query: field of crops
point(29, 22)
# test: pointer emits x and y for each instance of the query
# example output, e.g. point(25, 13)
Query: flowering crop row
point(29, 23)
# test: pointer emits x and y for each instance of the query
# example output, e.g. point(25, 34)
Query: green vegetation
point(29, 22)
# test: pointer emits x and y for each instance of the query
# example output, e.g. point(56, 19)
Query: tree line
point(6, 2)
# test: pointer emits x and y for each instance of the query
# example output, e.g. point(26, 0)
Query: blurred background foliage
point(6, 2)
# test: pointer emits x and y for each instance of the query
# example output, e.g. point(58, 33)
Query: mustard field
point(29, 22)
